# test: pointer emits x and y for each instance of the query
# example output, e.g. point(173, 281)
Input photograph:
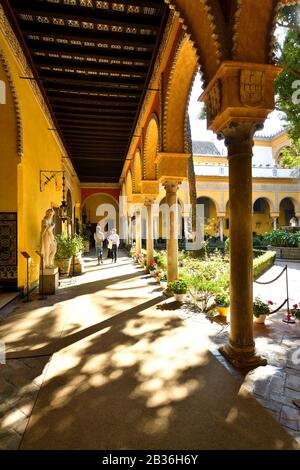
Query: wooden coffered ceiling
point(93, 61)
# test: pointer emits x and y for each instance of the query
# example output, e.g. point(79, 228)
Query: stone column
point(150, 242)
point(171, 188)
point(240, 349)
point(221, 221)
point(274, 223)
point(138, 231)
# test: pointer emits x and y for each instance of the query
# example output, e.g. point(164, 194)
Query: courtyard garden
point(205, 276)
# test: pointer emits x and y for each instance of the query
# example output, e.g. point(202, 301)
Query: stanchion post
point(27, 257)
point(288, 318)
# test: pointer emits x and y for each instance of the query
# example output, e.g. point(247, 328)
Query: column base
point(242, 360)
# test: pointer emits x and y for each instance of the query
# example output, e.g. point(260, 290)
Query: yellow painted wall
point(41, 152)
point(93, 202)
point(8, 150)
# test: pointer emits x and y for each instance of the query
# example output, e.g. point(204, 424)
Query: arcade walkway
point(108, 366)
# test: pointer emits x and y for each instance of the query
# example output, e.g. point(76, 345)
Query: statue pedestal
point(49, 281)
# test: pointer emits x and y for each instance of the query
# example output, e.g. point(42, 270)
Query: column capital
point(274, 215)
point(221, 215)
point(239, 135)
point(171, 186)
point(149, 201)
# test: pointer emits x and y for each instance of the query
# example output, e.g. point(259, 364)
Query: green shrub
point(282, 238)
point(178, 287)
point(70, 246)
point(223, 299)
point(262, 263)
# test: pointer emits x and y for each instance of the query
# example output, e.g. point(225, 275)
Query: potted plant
point(152, 267)
point(295, 311)
point(78, 249)
point(261, 310)
point(179, 289)
point(86, 236)
point(64, 253)
point(222, 301)
point(164, 281)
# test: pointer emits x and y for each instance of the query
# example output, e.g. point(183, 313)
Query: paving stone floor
point(274, 386)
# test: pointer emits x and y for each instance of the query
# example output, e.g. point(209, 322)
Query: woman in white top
point(113, 244)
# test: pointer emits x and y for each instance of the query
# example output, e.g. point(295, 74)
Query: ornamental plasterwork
point(20, 151)
point(252, 87)
point(214, 101)
point(210, 19)
point(138, 128)
point(166, 99)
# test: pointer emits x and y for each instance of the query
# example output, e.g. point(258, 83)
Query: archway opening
point(286, 212)
point(261, 216)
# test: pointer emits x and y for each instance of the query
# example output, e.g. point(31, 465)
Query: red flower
point(295, 306)
point(270, 302)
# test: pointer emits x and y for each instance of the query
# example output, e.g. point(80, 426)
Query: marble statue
point(48, 242)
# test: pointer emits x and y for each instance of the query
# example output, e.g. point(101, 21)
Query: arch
point(287, 209)
point(114, 200)
point(183, 72)
point(204, 196)
point(96, 202)
point(211, 40)
point(19, 126)
point(151, 148)
point(210, 215)
point(137, 172)
point(269, 202)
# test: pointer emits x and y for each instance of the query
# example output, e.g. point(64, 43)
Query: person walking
point(99, 240)
point(114, 242)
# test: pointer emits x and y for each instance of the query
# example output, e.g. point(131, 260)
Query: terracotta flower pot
point(260, 319)
point(64, 266)
point(222, 311)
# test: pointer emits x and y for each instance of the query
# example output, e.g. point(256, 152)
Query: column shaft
point(222, 229)
point(240, 349)
point(138, 232)
point(150, 243)
point(172, 238)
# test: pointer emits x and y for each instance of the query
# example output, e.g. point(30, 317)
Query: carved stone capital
point(239, 91)
point(239, 135)
point(149, 202)
point(171, 187)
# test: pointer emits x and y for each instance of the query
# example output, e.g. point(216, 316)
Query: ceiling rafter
point(93, 62)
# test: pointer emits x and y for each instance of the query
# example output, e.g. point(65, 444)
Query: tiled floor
point(35, 331)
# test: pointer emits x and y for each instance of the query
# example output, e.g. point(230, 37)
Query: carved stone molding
point(212, 23)
point(19, 143)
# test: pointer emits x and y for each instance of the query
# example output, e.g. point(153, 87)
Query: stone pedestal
point(49, 281)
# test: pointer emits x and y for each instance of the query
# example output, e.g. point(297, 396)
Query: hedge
point(262, 263)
